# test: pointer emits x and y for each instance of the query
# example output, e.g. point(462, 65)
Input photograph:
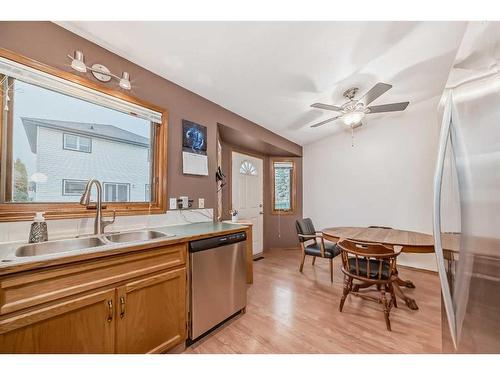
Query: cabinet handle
point(110, 311)
point(122, 307)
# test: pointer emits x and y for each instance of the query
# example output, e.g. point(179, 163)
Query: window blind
point(283, 164)
point(48, 81)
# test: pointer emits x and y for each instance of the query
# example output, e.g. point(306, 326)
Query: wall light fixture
point(99, 71)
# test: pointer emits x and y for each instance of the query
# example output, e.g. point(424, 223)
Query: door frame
point(233, 149)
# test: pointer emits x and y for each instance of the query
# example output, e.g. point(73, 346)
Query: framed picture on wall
point(194, 149)
point(194, 137)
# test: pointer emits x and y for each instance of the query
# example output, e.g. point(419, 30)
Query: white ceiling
point(478, 54)
point(270, 72)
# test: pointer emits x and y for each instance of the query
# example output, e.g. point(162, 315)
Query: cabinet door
point(80, 325)
point(151, 313)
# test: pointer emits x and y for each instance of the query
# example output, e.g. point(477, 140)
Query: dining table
point(401, 240)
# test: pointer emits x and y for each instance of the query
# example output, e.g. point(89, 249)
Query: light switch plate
point(201, 202)
point(173, 203)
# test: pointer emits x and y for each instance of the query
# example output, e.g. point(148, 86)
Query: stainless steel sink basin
point(62, 246)
point(142, 235)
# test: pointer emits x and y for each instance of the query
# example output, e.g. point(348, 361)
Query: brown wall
point(50, 44)
point(279, 230)
point(226, 190)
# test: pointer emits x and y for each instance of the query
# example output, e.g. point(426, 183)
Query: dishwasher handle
point(213, 242)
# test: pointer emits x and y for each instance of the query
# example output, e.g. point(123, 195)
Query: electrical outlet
point(183, 202)
point(173, 203)
point(201, 202)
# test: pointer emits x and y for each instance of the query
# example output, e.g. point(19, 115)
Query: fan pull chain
point(352, 136)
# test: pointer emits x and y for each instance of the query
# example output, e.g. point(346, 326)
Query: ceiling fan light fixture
point(353, 118)
point(354, 111)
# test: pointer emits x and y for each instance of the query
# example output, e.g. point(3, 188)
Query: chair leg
point(386, 309)
point(347, 288)
point(393, 295)
point(314, 260)
point(302, 261)
point(331, 270)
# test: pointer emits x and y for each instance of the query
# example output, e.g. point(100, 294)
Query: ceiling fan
point(354, 111)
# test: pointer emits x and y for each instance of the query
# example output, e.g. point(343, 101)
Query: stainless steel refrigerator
point(467, 215)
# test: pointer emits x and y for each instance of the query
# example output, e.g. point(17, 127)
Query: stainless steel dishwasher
point(217, 281)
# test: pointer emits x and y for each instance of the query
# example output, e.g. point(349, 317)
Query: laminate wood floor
point(290, 312)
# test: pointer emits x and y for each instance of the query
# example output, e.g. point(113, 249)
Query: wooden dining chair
point(313, 244)
point(369, 264)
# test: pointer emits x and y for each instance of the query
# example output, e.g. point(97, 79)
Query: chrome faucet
point(99, 223)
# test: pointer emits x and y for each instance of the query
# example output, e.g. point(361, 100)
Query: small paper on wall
point(194, 163)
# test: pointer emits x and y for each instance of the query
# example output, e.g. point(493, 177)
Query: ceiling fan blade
point(326, 106)
point(393, 107)
point(374, 93)
point(324, 122)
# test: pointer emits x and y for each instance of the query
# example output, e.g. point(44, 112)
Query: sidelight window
point(283, 184)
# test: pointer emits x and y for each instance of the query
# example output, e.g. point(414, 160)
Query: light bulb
point(125, 81)
point(77, 63)
point(353, 118)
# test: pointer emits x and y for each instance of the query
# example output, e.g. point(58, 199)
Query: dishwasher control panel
point(212, 242)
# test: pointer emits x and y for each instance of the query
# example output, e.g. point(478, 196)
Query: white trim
point(72, 180)
point(78, 143)
point(106, 185)
point(48, 81)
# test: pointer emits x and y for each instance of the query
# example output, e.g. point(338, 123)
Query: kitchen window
point(115, 138)
point(73, 187)
point(283, 175)
point(116, 192)
point(77, 143)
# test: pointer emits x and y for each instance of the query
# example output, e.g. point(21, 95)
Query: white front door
point(247, 194)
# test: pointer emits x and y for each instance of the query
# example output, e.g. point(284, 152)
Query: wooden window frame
point(293, 197)
point(25, 211)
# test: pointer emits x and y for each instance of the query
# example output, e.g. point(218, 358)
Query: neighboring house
point(70, 153)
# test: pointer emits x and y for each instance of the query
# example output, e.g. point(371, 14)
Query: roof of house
point(104, 131)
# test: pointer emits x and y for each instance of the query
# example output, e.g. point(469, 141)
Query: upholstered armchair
point(313, 244)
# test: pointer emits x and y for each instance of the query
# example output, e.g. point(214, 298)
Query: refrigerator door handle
point(438, 179)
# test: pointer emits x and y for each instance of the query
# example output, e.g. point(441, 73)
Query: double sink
point(85, 243)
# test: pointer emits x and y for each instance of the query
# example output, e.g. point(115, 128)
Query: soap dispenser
point(38, 232)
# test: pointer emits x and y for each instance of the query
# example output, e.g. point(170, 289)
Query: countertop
point(10, 263)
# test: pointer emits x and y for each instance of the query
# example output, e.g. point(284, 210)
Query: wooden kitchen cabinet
point(130, 303)
point(150, 316)
point(84, 324)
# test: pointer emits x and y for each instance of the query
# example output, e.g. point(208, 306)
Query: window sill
point(281, 213)
point(26, 211)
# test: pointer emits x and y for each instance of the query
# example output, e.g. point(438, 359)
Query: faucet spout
point(99, 223)
point(85, 199)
